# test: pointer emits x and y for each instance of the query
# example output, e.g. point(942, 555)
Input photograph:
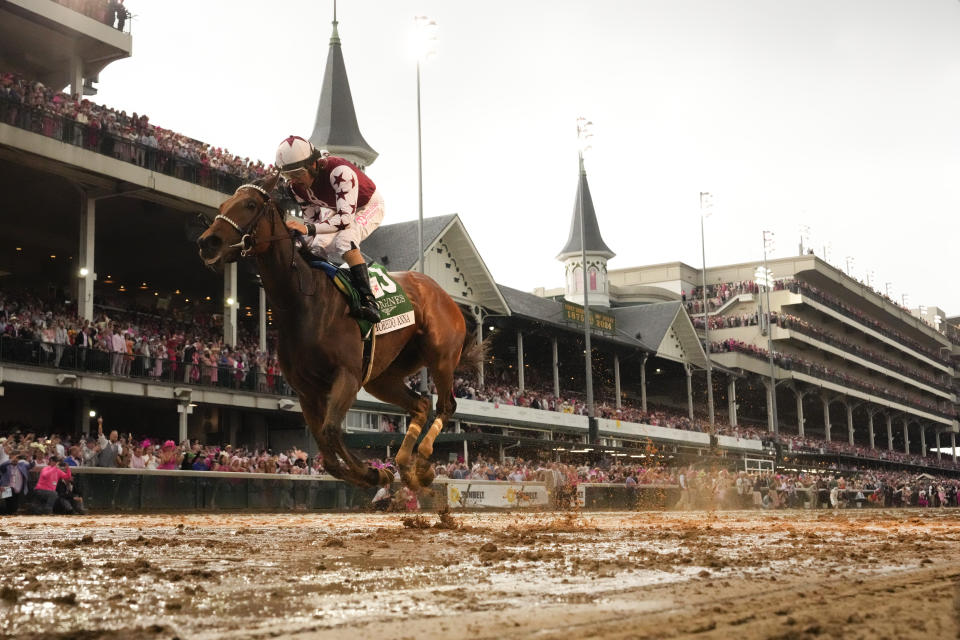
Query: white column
point(732, 400)
point(75, 69)
point(889, 432)
point(923, 440)
point(230, 311)
point(616, 377)
point(183, 408)
point(689, 371)
point(88, 229)
point(937, 434)
point(826, 418)
point(769, 387)
point(800, 418)
point(263, 320)
point(556, 369)
point(849, 423)
point(870, 429)
point(520, 360)
point(480, 341)
point(953, 446)
point(466, 453)
point(643, 384)
point(906, 437)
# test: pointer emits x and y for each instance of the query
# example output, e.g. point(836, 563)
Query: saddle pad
point(396, 311)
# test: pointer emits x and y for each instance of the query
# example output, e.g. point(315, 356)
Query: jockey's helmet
point(294, 156)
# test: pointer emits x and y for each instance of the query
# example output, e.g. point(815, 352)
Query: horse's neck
point(298, 293)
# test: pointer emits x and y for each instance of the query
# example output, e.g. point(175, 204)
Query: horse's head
point(242, 226)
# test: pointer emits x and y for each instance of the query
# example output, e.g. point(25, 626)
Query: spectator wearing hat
point(168, 458)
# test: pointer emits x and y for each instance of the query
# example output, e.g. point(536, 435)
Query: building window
point(593, 278)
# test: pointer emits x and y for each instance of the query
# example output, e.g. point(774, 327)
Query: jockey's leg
point(368, 309)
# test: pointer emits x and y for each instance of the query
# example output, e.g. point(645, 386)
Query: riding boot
point(368, 309)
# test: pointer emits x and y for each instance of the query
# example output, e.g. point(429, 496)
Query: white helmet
point(294, 153)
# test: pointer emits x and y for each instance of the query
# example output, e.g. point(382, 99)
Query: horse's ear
point(270, 182)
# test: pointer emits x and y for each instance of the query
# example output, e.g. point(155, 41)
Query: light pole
point(764, 278)
point(850, 261)
point(426, 41)
point(706, 205)
point(584, 134)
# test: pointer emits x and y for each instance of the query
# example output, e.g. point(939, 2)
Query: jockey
point(341, 207)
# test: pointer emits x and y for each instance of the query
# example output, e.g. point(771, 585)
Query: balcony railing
point(174, 163)
point(141, 367)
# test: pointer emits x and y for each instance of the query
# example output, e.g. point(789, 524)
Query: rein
point(248, 234)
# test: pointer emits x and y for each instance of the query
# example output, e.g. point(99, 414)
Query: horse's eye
point(251, 205)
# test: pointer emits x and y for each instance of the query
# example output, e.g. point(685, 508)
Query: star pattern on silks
point(341, 226)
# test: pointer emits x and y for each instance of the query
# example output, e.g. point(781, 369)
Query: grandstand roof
point(549, 311)
point(395, 246)
point(665, 325)
point(592, 238)
point(335, 127)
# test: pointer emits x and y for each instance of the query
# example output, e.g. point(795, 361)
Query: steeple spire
point(597, 252)
point(335, 127)
point(592, 237)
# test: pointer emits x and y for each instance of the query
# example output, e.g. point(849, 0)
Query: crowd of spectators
point(179, 346)
point(133, 138)
point(719, 294)
point(112, 13)
point(794, 362)
point(852, 488)
point(23, 455)
point(794, 323)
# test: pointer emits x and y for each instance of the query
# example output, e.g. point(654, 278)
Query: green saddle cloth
point(396, 310)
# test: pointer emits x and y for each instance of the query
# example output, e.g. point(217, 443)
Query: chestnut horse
point(320, 349)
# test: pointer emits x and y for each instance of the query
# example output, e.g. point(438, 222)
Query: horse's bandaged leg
point(426, 446)
point(406, 449)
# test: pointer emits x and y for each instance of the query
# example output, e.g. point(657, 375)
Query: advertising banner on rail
point(466, 494)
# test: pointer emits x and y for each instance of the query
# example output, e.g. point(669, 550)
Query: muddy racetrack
point(801, 574)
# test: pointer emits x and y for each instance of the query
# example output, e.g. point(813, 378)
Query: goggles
point(300, 174)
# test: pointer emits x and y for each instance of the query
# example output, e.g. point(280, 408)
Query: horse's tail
point(472, 355)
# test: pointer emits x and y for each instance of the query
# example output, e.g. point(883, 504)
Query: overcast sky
point(840, 115)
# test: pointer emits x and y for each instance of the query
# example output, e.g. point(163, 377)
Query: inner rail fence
point(146, 490)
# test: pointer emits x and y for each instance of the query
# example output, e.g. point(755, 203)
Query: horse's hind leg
point(391, 389)
point(446, 407)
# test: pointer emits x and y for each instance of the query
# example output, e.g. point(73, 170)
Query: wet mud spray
point(794, 574)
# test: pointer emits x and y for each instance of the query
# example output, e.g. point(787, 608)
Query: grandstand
point(101, 219)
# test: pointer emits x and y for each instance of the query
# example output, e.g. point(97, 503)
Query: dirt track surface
point(852, 574)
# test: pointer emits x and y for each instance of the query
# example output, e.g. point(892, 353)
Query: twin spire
point(335, 128)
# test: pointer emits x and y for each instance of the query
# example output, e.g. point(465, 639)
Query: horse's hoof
point(425, 471)
point(408, 477)
point(386, 477)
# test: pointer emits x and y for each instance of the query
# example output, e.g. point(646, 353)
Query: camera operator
point(46, 489)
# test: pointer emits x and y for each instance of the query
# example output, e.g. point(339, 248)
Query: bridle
point(248, 233)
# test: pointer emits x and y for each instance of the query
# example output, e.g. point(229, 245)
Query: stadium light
point(425, 37)
point(706, 208)
point(231, 302)
point(92, 413)
point(584, 134)
point(84, 272)
point(767, 283)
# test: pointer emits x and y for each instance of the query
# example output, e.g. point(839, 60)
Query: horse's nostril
point(209, 242)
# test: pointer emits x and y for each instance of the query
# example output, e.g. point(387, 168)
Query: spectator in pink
point(46, 489)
